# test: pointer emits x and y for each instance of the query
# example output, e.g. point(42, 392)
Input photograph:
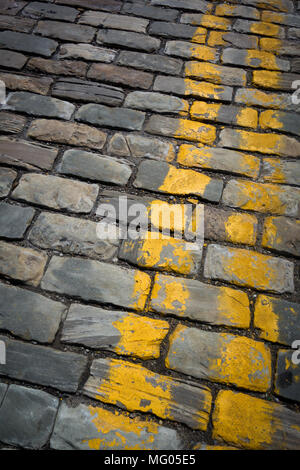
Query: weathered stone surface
point(253, 423)
point(105, 5)
point(255, 59)
point(3, 390)
point(128, 39)
point(65, 31)
point(139, 146)
point(208, 21)
point(27, 83)
point(7, 178)
point(274, 80)
point(254, 97)
point(22, 264)
point(11, 123)
point(175, 30)
point(27, 43)
point(38, 105)
point(242, 41)
point(164, 178)
point(189, 50)
point(220, 357)
point(227, 114)
point(120, 332)
point(14, 220)
point(93, 280)
point(216, 73)
point(72, 236)
point(237, 10)
point(43, 365)
point(53, 12)
point(275, 5)
point(282, 234)
point(11, 7)
point(87, 52)
point(108, 20)
point(259, 27)
point(12, 60)
point(181, 129)
point(187, 298)
point(295, 65)
point(265, 198)
point(219, 159)
point(87, 428)
point(111, 117)
point(150, 101)
point(275, 170)
point(120, 75)
point(279, 120)
point(29, 315)
point(57, 193)
point(280, 46)
point(148, 11)
point(289, 20)
point(287, 382)
point(26, 155)
point(88, 91)
point(95, 167)
point(27, 417)
point(69, 133)
point(134, 388)
point(66, 67)
point(249, 268)
point(277, 319)
point(152, 62)
point(294, 33)
point(196, 5)
point(22, 25)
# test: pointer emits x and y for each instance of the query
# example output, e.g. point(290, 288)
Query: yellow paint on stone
point(261, 98)
point(140, 336)
point(266, 59)
point(203, 89)
point(167, 216)
point(247, 117)
point(265, 29)
point(216, 39)
point(270, 120)
point(270, 235)
point(276, 174)
point(263, 143)
point(199, 36)
point(266, 319)
point(273, 17)
point(191, 130)
point(267, 79)
point(215, 22)
point(142, 284)
point(178, 181)
point(241, 228)
point(206, 71)
point(270, 45)
point(234, 304)
point(176, 294)
point(203, 53)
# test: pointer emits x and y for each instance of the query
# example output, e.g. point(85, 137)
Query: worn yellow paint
point(140, 336)
point(168, 216)
point(107, 422)
point(176, 293)
point(247, 117)
point(234, 304)
point(276, 174)
point(265, 29)
point(207, 111)
point(178, 181)
point(244, 420)
point(263, 143)
point(203, 89)
point(215, 38)
point(214, 22)
point(266, 59)
point(203, 53)
point(142, 283)
point(229, 10)
point(191, 130)
point(175, 337)
point(266, 319)
point(267, 79)
point(270, 120)
point(241, 228)
point(206, 71)
point(270, 45)
point(272, 17)
point(199, 36)
point(261, 98)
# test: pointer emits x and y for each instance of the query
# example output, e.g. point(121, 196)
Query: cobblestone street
point(151, 344)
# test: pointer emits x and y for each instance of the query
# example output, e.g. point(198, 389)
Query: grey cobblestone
point(14, 220)
point(7, 178)
point(111, 117)
point(65, 31)
point(27, 43)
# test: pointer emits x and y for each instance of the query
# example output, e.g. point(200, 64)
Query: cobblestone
point(280, 171)
point(27, 83)
point(27, 43)
point(11, 123)
point(7, 178)
point(14, 220)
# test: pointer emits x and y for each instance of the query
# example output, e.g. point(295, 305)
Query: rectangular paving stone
point(120, 332)
point(128, 39)
point(255, 59)
point(281, 145)
point(27, 83)
point(30, 423)
point(29, 315)
point(52, 11)
point(277, 319)
point(281, 18)
point(275, 170)
point(162, 253)
point(262, 197)
point(196, 5)
point(11, 7)
point(220, 357)
point(161, 177)
point(151, 12)
point(152, 62)
point(242, 41)
point(69, 133)
point(105, 5)
point(108, 20)
point(295, 65)
point(25, 154)
point(14, 220)
point(72, 236)
point(261, 28)
point(87, 52)
point(55, 67)
point(237, 10)
point(274, 80)
point(82, 90)
point(120, 75)
point(175, 30)
point(7, 177)
point(13, 23)
point(38, 105)
point(157, 102)
point(43, 365)
point(293, 33)
point(208, 21)
point(279, 120)
point(287, 380)
point(254, 97)
point(27, 43)
point(187, 87)
point(249, 269)
point(280, 46)
point(12, 60)
point(181, 129)
point(189, 50)
point(275, 5)
point(56, 193)
point(93, 280)
point(253, 423)
point(218, 74)
point(138, 146)
point(282, 234)
point(11, 123)
point(187, 298)
point(22, 264)
point(111, 117)
point(232, 115)
point(65, 31)
point(3, 390)
point(218, 159)
point(135, 388)
point(90, 428)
